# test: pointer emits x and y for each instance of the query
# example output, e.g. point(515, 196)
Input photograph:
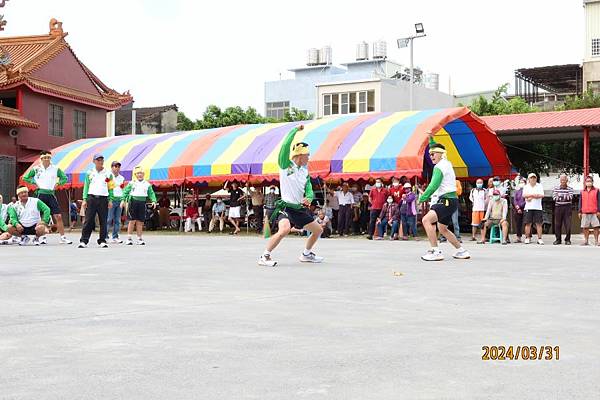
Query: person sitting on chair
point(496, 213)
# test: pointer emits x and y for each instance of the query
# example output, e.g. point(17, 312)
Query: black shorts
point(533, 217)
point(298, 218)
point(137, 210)
point(444, 209)
point(29, 230)
point(50, 201)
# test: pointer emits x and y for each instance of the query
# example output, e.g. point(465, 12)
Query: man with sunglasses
point(46, 177)
point(296, 195)
point(443, 186)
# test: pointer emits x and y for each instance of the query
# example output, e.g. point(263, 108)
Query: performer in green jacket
point(443, 188)
point(296, 196)
point(28, 216)
point(135, 195)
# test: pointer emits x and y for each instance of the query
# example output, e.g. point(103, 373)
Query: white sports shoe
point(311, 258)
point(15, 240)
point(24, 240)
point(82, 245)
point(266, 261)
point(4, 241)
point(117, 240)
point(527, 241)
point(43, 240)
point(103, 245)
point(36, 241)
point(65, 240)
point(129, 242)
point(540, 241)
point(140, 242)
point(433, 255)
point(462, 255)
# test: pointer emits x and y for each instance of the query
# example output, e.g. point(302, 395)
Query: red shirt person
point(377, 198)
point(396, 190)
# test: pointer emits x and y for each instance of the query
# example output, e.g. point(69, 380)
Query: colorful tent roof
point(350, 147)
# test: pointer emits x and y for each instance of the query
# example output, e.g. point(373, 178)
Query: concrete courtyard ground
point(193, 317)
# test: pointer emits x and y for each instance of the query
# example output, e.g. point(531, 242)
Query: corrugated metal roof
point(544, 120)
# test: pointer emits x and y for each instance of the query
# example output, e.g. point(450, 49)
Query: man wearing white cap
point(28, 216)
point(296, 195)
point(443, 186)
point(533, 193)
point(97, 199)
point(135, 195)
point(46, 177)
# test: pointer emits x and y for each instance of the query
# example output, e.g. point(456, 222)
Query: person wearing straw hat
point(97, 200)
point(296, 195)
point(135, 195)
point(443, 187)
point(28, 216)
point(46, 176)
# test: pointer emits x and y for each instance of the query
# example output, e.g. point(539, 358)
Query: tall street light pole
point(408, 41)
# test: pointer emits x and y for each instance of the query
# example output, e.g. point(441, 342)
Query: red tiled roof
point(29, 53)
point(11, 117)
point(544, 120)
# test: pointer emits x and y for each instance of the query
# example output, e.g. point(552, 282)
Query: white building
point(591, 60)
point(364, 85)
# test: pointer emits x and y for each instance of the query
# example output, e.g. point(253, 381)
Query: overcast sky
point(195, 53)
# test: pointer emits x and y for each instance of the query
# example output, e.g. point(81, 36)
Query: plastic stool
point(495, 234)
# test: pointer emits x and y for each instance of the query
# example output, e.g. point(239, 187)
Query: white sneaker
point(462, 255)
point(140, 242)
point(117, 240)
point(15, 240)
point(104, 245)
point(36, 241)
point(433, 255)
point(65, 240)
point(82, 245)
point(527, 241)
point(311, 258)
point(4, 242)
point(540, 241)
point(129, 242)
point(42, 240)
point(24, 240)
point(266, 261)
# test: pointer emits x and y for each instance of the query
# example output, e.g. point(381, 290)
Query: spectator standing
point(396, 191)
point(345, 201)
point(377, 197)
point(479, 199)
point(258, 202)
point(533, 193)
point(519, 208)
point(589, 211)
point(364, 213)
point(408, 213)
point(563, 199)
point(270, 199)
point(207, 210)
point(164, 205)
point(332, 199)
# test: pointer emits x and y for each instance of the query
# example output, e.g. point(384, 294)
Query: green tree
point(184, 123)
point(296, 115)
point(499, 105)
point(588, 100)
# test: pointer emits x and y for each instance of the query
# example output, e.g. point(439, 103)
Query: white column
point(133, 121)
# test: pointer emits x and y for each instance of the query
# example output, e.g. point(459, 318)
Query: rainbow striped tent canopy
point(348, 147)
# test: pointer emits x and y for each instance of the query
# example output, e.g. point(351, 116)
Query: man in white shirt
point(345, 200)
point(533, 193)
point(28, 216)
point(97, 200)
point(479, 199)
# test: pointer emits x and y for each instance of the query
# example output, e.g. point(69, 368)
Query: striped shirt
point(562, 196)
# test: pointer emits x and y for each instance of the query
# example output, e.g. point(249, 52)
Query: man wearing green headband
point(296, 195)
point(443, 186)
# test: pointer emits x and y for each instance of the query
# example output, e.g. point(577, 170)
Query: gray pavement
point(193, 317)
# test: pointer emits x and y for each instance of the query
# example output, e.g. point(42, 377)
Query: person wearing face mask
point(589, 211)
point(533, 193)
point(479, 199)
point(519, 207)
point(408, 212)
point(377, 198)
point(345, 201)
point(396, 190)
point(218, 215)
point(496, 214)
point(496, 185)
point(292, 210)
point(389, 216)
point(270, 200)
point(563, 199)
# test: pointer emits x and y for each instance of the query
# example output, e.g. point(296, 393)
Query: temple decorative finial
point(56, 27)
